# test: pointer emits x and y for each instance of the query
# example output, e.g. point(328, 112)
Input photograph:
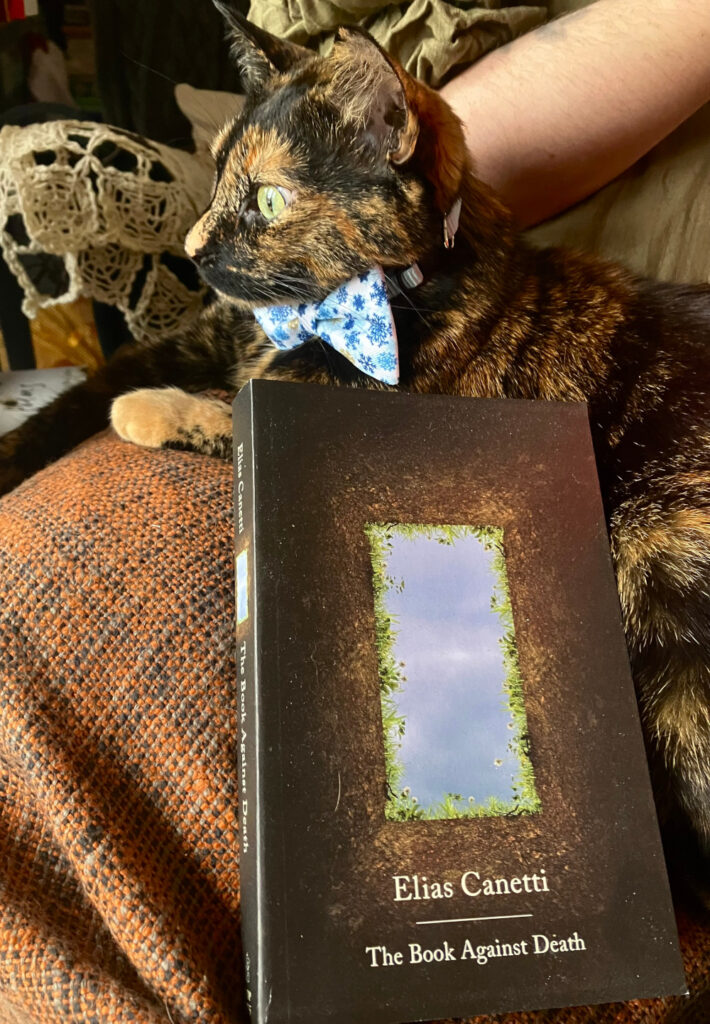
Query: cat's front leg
point(208, 354)
point(172, 418)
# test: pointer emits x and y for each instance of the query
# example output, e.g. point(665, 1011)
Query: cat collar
point(451, 224)
point(411, 277)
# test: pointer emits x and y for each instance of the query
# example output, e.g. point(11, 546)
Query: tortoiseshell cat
point(362, 164)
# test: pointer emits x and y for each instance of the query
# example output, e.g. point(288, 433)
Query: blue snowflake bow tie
point(356, 319)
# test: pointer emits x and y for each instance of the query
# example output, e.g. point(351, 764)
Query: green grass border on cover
point(401, 804)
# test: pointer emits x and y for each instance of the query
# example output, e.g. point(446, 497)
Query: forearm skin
point(559, 112)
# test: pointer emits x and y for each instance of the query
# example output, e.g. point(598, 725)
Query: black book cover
point(445, 802)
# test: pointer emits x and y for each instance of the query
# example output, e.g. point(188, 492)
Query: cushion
point(119, 844)
point(206, 110)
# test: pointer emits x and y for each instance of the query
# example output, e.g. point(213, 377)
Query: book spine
point(250, 809)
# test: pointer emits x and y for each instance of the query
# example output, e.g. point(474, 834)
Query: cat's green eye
point(271, 201)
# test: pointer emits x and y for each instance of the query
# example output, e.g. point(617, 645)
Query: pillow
point(207, 111)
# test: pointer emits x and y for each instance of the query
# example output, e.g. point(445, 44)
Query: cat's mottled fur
point(373, 161)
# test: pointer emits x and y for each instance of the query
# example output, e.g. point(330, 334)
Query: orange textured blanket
point(119, 842)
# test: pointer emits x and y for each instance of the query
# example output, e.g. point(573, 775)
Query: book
point(444, 796)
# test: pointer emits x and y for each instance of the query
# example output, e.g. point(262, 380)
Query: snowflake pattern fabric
point(356, 320)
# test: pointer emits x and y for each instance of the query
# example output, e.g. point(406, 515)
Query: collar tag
point(451, 224)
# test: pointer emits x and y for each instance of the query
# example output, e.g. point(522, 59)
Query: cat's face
point(316, 180)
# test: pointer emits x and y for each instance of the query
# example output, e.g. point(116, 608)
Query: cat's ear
point(258, 54)
point(408, 120)
point(369, 90)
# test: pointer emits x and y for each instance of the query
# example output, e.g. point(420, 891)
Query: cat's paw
point(171, 418)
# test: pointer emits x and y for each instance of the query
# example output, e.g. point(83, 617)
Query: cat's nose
point(197, 240)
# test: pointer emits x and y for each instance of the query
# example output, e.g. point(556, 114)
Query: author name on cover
point(419, 887)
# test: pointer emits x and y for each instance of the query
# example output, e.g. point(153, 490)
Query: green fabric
point(432, 39)
point(655, 218)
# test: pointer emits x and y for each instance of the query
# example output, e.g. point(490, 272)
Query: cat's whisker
point(214, 123)
point(412, 305)
point(420, 309)
point(146, 67)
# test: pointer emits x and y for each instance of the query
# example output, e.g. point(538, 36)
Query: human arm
point(559, 112)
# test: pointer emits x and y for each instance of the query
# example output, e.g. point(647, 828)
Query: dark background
point(144, 49)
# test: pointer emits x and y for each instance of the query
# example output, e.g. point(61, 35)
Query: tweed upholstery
point(119, 875)
point(119, 843)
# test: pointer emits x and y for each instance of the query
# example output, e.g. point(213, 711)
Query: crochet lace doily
point(86, 209)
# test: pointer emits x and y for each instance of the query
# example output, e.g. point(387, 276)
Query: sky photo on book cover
point(453, 711)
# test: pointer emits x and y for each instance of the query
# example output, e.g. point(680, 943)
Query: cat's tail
point(203, 357)
point(661, 544)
